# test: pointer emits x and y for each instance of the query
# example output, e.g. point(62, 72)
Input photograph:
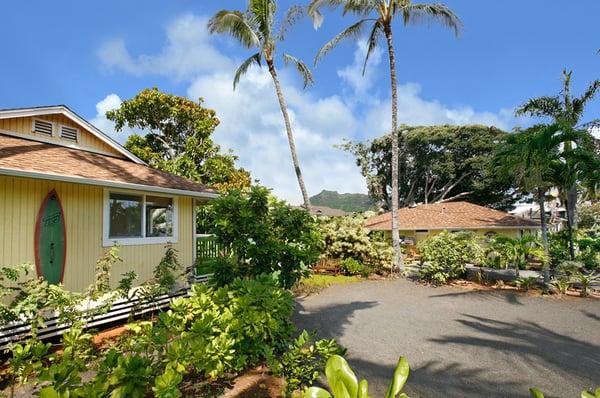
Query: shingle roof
point(18, 154)
point(450, 215)
point(328, 211)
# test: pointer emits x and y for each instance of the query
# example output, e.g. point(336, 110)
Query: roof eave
point(106, 183)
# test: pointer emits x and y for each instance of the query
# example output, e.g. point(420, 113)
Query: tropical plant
point(255, 28)
point(264, 236)
point(521, 250)
point(566, 111)
point(530, 158)
point(585, 280)
point(380, 15)
point(304, 361)
point(445, 256)
point(589, 216)
point(527, 283)
point(344, 384)
point(177, 139)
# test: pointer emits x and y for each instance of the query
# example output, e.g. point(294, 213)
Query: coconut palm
point(378, 16)
point(254, 28)
point(565, 111)
point(530, 158)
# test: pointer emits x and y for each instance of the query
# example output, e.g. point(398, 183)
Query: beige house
point(68, 192)
point(420, 222)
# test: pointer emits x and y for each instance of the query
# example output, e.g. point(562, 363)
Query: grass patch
point(316, 283)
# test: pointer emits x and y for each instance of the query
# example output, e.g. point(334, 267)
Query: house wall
point(20, 200)
point(421, 236)
point(23, 127)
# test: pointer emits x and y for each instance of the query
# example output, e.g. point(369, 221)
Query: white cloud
point(110, 102)
point(251, 121)
point(187, 53)
point(353, 73)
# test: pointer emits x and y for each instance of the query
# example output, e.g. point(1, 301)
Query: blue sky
point(90, 55)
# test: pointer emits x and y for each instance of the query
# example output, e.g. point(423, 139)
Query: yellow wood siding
point(20, 199)
point(23, 125)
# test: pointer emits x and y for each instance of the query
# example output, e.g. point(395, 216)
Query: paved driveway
point(461, 343)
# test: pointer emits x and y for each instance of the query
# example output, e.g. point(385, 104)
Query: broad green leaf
point(49, 392)
point(399, 378)
point(535, 393)
point(363, 389)
point(316, 392)
point(341, 378)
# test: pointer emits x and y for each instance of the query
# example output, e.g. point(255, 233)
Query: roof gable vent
point(68, 133)
point(42, 127)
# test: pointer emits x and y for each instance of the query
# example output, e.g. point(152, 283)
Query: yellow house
point(420, 222)
point(68, 192)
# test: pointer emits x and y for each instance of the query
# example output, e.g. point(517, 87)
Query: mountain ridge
point(350, 202)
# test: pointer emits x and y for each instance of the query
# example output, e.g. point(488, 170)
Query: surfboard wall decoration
point(51, 239)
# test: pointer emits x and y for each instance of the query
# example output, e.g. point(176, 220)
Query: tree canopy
point(437, 163)
point(178, 138)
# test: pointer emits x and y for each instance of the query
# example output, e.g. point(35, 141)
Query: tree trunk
point(290, 135)
point(541, 195)
point(397, 261)
point(570, 229)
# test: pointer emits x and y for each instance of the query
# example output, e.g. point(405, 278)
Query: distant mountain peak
point(350, 202)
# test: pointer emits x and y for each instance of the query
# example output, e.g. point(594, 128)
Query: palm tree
point(565, 111)
point(530, 158)
point(379, 15)
point(255, 29)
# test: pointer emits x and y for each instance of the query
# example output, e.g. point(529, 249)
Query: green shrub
point(587, 245)
point(304, 360)
point(445, 255)
point(267, 236)
point(527, 283)
point(350, 266)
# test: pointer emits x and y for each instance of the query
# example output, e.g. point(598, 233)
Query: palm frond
point(350, 32)
point(372, 42)
point(580, 103)
point(263, 12)
point(417, 13)
point(301, 67)
point(235, 24)
point(542, 106)
point(292, 16)
point(256, 58)
point(359, 7)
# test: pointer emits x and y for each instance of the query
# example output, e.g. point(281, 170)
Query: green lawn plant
point(344, 384)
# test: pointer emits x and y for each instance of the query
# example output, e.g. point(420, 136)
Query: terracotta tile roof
point(450, 215)
point(38, 157)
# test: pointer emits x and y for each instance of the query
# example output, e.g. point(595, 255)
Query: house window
point(159, 216)
point(125, 216)
point(136, 219)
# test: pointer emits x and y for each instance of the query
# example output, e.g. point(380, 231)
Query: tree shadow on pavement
point(435, 379)
point(329, 321)
point(533, 345)
point(507, 296)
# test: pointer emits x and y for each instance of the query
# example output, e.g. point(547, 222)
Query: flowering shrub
point(346, 237)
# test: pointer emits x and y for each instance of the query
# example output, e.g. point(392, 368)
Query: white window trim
point(77, 138)
point(33, 120)
point(153, 240)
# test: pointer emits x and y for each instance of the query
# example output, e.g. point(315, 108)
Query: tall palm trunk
point(541, 195)
point(290, 135)
point(397, 260)
point(570, 217)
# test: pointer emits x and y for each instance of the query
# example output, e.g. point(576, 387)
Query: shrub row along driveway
point(461, 343)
